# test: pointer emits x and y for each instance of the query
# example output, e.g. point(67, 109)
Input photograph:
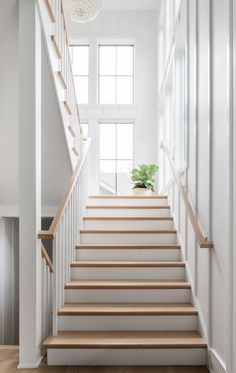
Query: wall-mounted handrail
point(203, 242)
point(51, 232)
point(46, 257)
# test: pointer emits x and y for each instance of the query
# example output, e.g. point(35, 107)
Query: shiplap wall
point(9, 281)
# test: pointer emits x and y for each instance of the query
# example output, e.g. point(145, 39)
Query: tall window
point(116, 74)
point(116, 157)
point(80, 67)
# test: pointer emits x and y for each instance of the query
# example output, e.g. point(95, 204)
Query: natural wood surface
point(127, 309)
point(50, 11)
point(72, 132)
point(202, 241)
point(46, 257)
point(76, 151)
point(128, 207)
point(132, 246)
point(108, 218)
point(55, 47)
point(128, 197)
point(62, 80)
point(67, 108)
point(126, 339)
point(9, 358)
point(117, 231)
point(51, 233)
point(128, 264)
point(129, 284)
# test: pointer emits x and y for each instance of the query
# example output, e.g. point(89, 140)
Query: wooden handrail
point(51, 232)
point(46, 257)
point(202, 241)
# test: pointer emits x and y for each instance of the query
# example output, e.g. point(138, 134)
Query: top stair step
point(128, 200)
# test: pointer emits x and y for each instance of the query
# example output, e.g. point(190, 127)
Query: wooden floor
point(9, 361)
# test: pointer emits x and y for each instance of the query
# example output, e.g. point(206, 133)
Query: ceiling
point(130, 4)
point(127, 4)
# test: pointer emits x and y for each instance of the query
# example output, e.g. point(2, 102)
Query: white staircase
point(127, 301)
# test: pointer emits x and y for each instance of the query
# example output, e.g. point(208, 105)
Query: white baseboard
point(30, 366)
point(215, 362)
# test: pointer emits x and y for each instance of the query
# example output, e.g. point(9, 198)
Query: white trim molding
point(30, 366)
point(215, 362)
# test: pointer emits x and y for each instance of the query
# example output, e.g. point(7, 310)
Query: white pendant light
point(83, 11)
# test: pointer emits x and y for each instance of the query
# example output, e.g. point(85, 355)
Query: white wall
point(56, 165)
point(9, 281)
point(117, 26)
point(206, 46)
point(9, 102)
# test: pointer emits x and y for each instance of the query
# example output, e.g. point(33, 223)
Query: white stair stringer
point(127, 301)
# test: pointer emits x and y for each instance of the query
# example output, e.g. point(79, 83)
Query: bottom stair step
point(126, 348)
point(126, 339)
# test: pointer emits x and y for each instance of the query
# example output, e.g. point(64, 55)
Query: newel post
point(30, 182)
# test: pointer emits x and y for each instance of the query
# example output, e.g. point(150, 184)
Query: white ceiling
point(130, 4)
point(127, 4)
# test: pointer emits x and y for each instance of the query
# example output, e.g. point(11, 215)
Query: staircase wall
point(56, 164)
point(202, 34)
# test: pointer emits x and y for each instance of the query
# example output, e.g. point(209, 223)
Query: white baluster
point(55, 286)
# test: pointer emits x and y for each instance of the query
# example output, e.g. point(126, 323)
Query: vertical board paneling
point(9, 281)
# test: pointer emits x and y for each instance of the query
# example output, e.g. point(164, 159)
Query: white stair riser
point(135, 357)
point(128, 273)
point(127, 254)
point(128, 201)
point(124, 296)
point(128, 224)
point(127, 323)
point(128, 212)
point(128, 238)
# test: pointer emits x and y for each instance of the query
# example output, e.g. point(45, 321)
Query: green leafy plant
point(143, 176)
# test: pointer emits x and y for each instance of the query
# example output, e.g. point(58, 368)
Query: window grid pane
point(116, 150)
point(120, 72)
point(80, 68)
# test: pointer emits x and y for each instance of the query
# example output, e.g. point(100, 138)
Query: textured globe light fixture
point(83, 11)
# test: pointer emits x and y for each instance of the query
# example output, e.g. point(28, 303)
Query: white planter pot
point(142, 192)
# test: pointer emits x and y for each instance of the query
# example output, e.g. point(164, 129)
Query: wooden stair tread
point(141, 218)
point(128, 264)
point(127, 207)
point(116, 231)
point(127, 284)
point(126, 339)
point(127, 197)
point(127, 309)
point(128, 246)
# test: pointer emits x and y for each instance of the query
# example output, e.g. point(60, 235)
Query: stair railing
point(47, 276)
point(64, 231)
point(54, 26)
point(203, 241)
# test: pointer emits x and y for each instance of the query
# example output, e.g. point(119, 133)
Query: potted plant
point(143, 179)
